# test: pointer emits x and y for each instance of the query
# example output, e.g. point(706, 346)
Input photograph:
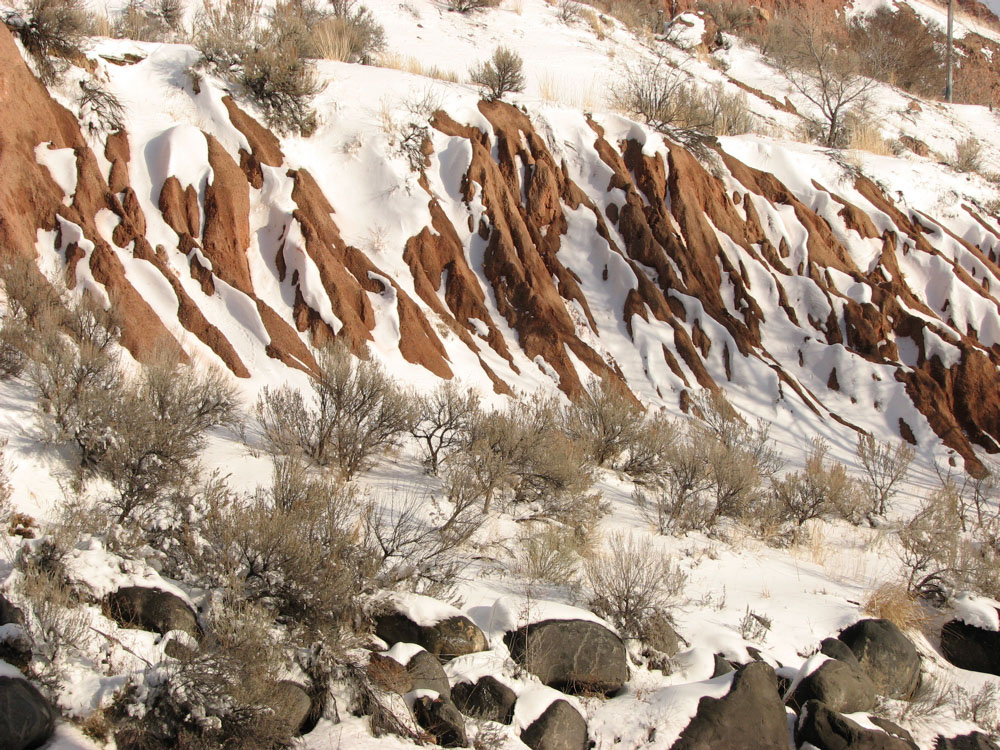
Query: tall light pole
point(949, 88)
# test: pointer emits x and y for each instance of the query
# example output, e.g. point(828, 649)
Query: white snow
point(977, 611)
point(61, 163)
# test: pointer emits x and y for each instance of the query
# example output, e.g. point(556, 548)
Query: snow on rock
point(977, 611)
point(61, 163)
point(510, 613)
point(532, 702)
point(423, 610)
point(402, 653)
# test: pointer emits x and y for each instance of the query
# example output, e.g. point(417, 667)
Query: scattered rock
point(447, 639)
point(560, 727)
point(292, 704)
point(891, 727)
point(571, 655)
point(487, 699)
point(658, 633)
point(969, 647)
point(885, 655)
point(152, 609)
point(9, 614)
point(828, 730)
point(426, 673)
point(722, 666)
point(837, 649)
point(440, 717)
point(27, 720)
point(750, 716)
point(915, 145)
point(838, 685)
point(974, 741)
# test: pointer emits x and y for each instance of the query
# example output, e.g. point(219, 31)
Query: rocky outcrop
point(828, 730)
point(887, 656)
point(487, 699)
point(969, 647)
point(560, 727)
point(27, 719)
point(972, 741)
point(749, 716)
point(574, 656)
point(451, 637)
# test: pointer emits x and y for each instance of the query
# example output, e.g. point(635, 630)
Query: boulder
point(750, 716)
point(837, 649)
point(722, 666)
point(828, 730)
point(969, 647)
point(9, 614)
point(447, 639)
point(487, 699)
point(560, 727)
point(27, 720)
point(658, 633)
point(571, 655)
point(291, 704)
point(891, 727)
point(974, 741)
point(152, 609)
point(426, 673)
point(838, 685)
point(442, 720)
point(886, 655)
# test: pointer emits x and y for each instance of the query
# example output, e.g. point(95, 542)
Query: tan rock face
point(669, 224)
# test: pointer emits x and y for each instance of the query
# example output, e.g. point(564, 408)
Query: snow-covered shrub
point(100, 109)
point(606, 419)
point(968, 155)
point(632, 581)
point(502, 74)
point(442, 422)
point(354, 413)
point(53, 32)
point(885, 467)
point(149, 22)
point(464, 6)
point(221, 695)
point(292, 548)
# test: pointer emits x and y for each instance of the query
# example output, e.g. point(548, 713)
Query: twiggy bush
point(465, 6)
point(896, 47)
point(351, 34)
point(354, 412)
point(968, 155)
point(676, 499)
point(293, 548)
point(502, 74)
point(442, 422)
point(222, 695)
point(821, 489)
point(931, 550)
point(53, 33)
point(551, 554)
point(885, 467)
point(650, 448)
point(606, 419)
point(145, 22)
point(631, 581)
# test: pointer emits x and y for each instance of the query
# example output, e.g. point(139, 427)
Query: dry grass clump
point(866, 135)
point(968, 155)
point(893, 602)
point(414, 65)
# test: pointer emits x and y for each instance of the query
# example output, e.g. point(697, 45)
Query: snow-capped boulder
point(971, 647)
point(973, 741)
point(558, 727)
point(292, 704)
point(750, 716)
point(420, 670)
point(27, 720)
point(838, 685)
point(571, 655)
point(487, 699)
point(438, 627)
point(441, 719)
point(9, 614)
point(829, 730)
point(152, 609)
point(887, 656)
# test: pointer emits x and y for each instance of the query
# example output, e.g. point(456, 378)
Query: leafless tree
point(443, 421)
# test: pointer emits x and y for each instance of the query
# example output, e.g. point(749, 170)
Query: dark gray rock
point(487, 699)
point(447, 639)
point(750, 716)
point(886, 655)
point(891, 727)
point(560, 727)
point(152, 609)
point(838, 685)
point(292, 704)
point(837, 649)
point(9, 614)
point(442, 720)
point(426, 673)
point(27, 720)
point(969, 647)
point(974, 741)
point(571, 655)
point(658, 633)
point(722, 666)
point(828, 730)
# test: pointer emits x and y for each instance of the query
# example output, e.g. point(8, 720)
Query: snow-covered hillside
point(518, 248)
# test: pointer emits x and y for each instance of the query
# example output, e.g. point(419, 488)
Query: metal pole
point(948, 90)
